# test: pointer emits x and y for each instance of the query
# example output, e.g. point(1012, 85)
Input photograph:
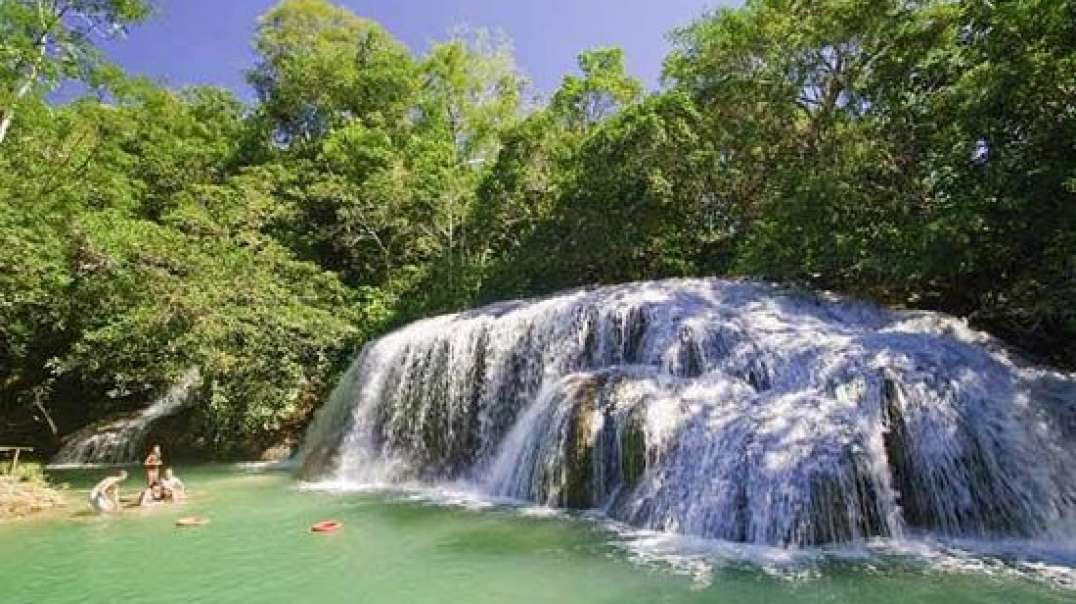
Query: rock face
point(122, 439)
point(732, 410)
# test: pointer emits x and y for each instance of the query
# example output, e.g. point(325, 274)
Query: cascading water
point(732, 410)
point(122, 440)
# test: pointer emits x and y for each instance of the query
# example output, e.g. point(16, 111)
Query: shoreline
point(63, 503)
point(22, 499)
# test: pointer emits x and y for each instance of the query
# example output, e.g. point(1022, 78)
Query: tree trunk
point(48, 418)
point(9, 113)
point(27, 84)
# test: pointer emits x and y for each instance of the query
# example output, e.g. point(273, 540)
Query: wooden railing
point(15, 458)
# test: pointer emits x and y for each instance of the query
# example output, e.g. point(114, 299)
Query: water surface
point(399, 547)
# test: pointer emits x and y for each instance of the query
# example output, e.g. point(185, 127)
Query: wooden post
point(15, 458)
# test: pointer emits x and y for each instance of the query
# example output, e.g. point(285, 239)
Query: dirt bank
point(21, 498)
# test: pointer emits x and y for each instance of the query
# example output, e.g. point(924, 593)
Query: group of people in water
point(166, 488)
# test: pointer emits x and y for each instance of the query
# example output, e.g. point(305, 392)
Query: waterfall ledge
point(725, 409)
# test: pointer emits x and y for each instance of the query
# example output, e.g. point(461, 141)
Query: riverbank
point(27, 494)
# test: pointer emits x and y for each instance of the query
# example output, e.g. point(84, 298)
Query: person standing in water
point(153, 465)
point(105, 495)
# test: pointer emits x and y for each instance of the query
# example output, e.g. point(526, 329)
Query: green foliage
point(604, 88)
point(470, 91)
point(320, 65)
point(918, 153)
point(27, 471)
point(138, 250)
point(628, 206)
point(45, 41)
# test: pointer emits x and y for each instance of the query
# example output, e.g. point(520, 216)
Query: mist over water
point(727, 410)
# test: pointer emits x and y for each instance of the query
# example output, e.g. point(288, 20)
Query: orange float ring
point(325, 526)
point(192, 521)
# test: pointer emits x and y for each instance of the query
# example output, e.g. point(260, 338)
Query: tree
point(915, 153)
point(44, 41)
point(910, 152)
point(604, 87)
point(320, 66)
point(471, 90)
point(631, 202)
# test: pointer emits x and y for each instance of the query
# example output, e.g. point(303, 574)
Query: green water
point(258, 549)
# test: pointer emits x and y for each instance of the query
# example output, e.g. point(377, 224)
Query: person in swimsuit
point(153, 494)
point(153, 465)
point(105, 495)
point(174, 489)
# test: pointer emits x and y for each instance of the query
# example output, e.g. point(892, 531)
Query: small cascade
point(724, 409)
point(122, 440)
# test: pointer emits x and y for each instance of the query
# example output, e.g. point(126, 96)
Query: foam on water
point(1045, 562)
point(727, 411)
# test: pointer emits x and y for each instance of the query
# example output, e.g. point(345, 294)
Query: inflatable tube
point(325, 526)
point(192, 521)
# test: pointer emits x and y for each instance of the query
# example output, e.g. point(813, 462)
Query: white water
point(122, 440)
point(729, 410)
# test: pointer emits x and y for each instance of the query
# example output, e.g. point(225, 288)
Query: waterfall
point(724, 409)
point(122, 439)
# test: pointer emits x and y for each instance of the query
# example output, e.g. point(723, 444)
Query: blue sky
point(208, 41)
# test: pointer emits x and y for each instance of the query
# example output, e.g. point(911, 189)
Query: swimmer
point(153, 494)
point(174, 488)
point(105, 495)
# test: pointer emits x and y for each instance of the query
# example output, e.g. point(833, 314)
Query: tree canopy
point(921, 154)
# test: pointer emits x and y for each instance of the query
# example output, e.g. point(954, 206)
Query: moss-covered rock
point(605, 448)
point(633, 448)
point(578, 467)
